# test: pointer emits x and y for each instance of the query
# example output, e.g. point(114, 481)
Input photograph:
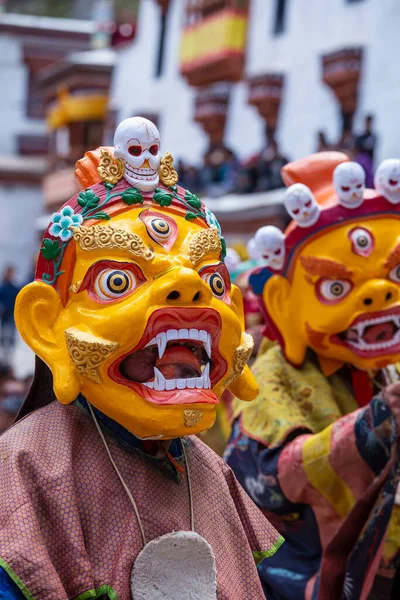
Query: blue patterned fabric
point(374, 442)
point(8, 589)
point(286, 574)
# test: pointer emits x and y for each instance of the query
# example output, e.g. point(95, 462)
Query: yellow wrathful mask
point(132, 304)
point(332, 281)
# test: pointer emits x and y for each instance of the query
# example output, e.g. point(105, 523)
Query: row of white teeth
point(361, 345)
point(360, 327)
point(141, 173)
point(181, 335)
point(160, 383)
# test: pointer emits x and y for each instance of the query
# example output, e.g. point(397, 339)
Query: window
point(161, 44)
point(280, 13)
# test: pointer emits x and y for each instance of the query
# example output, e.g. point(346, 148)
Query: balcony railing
point(213, 49)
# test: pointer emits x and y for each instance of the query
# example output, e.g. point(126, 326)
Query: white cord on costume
point(189, 487)
point(135, 508)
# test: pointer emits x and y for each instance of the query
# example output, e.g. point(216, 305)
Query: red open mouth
point(373, 334)
point(177, 361)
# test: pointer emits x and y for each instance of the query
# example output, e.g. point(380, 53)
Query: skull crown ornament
point(137, 143)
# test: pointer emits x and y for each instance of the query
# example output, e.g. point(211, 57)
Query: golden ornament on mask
point(110, 237)
point(203, 243)
point(166, 171)
point(110, 170)
point(241, 357)
point(191, 417)
point(74, 288)
point(88, 352)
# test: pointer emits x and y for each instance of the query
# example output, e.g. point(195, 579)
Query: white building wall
point(20, 205)
point(313, 28)
point(136, 90)
point(13, 95)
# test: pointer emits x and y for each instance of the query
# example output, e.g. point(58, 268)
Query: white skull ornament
point(349, 184)
point(232, 259)
point(301, 205)
point(252, 250)
point(269, 242)
point(387, 180)
point(137, 143)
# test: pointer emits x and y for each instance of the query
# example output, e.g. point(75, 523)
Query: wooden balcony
point(211, 107)
point(213, 48)
point(265, 93)
point(342, 72)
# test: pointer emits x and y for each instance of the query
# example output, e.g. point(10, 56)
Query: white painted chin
point(310, 220)
point(392, 197)
point(352, 203)
point(145, 180)
point(275, 264)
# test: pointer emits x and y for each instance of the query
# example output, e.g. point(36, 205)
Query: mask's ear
point(277, 298)
point(237, 304)
point(244, 387)
point(37, 310)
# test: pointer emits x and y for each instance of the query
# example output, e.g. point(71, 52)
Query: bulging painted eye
point(111, 284)
point(332, 290)
point(160, 228)
point(394, 274)
point(362, 241)
point(216, 283)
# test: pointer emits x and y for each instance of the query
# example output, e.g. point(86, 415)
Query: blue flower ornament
point(63, 222)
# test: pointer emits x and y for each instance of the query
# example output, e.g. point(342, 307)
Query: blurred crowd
point(360, 148)
point(12, 389)
point(12, 394)
point(223, 173)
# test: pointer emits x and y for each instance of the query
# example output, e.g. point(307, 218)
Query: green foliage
point(88, 200)
point(162, 197)
point(223, 244)
point(50, 249)
point(192, 200)
point(101, 215)
point(190, 215)
point(132, 196)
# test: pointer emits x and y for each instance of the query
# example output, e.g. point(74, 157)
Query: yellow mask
point(337, 290)
point(133, 308)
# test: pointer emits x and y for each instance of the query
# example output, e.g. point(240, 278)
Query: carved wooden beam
point(265, 93)
point(211, 107)
point(342, 72)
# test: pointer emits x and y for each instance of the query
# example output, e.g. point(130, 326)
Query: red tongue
point(382, 332)
point(178, 362)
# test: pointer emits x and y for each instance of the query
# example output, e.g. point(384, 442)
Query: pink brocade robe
point(67, 527)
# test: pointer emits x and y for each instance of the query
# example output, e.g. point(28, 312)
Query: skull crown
point(137, 143)
point(269, 242)
point(349, 184)
point(387, 180)
point(301, 205)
